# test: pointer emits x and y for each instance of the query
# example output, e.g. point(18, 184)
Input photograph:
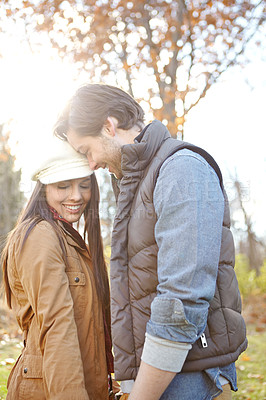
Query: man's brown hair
point(92, 104)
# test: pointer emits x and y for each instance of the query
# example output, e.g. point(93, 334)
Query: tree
point(177, 49)
point(249, 244)
point(11, 198)
point(107, 205)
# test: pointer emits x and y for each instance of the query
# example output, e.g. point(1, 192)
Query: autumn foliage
point(167, 52)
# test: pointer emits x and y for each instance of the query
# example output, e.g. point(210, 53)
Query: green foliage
point(107, 254)
point(261, 279)
point(249, 282)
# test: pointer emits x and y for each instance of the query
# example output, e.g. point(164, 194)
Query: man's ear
point(109, 127)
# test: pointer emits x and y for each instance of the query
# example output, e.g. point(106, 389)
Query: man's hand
point(150, 383)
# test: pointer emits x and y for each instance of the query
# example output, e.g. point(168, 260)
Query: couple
point(177, 328)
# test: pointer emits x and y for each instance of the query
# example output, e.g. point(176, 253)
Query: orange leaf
point(245, 358)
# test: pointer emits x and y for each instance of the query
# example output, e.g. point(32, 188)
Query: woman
point(58, 287)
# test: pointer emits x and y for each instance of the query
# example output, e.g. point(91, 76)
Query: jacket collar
point(73, 237)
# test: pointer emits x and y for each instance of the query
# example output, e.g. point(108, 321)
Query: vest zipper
point(203, 340)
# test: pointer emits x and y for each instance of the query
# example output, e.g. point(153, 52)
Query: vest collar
point(137, 156)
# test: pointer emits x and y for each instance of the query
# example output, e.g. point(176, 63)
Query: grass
point(9, 350)
point(251, 368)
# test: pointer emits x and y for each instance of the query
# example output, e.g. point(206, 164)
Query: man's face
point(102, 151)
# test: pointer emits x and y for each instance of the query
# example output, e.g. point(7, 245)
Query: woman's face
point(69, 198)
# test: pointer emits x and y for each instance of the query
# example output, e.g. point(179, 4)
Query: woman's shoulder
point(30, 231)
point(39, 243)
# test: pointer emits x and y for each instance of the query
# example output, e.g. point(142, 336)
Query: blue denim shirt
point(189, 205)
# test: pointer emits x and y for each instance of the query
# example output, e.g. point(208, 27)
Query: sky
point(229, 122)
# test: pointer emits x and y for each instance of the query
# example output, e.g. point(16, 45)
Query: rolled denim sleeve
point(189, 205)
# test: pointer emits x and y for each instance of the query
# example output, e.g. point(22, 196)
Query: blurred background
point(196, 65)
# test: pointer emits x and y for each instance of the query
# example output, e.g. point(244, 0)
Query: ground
point(251, 366)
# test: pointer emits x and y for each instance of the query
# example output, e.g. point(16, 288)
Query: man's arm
point(150, 383)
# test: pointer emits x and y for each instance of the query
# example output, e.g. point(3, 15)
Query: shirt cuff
point(164, 354)
point(126, 386)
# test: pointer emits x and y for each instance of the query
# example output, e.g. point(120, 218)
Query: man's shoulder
point(182, 168)
point(183, 157)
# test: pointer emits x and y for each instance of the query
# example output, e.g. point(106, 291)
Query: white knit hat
point(60, 162)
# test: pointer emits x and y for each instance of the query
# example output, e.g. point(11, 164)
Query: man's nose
point(92, 163)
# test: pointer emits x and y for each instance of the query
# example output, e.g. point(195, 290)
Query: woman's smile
point(72, 207)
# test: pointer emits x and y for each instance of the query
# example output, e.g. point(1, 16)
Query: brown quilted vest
point(134, 264)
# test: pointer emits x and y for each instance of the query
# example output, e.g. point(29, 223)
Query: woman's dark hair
point(38, 210)
point(90, 107)
point(92, 231)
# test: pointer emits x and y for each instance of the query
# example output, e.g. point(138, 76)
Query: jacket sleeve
point(42, 272)
point(189, 205)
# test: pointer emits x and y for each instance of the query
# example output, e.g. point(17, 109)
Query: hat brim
point(65, 175)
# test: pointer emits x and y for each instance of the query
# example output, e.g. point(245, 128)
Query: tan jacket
point(58, 310)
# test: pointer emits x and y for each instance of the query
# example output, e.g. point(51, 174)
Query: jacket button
point(25, 370)
point(77, 279)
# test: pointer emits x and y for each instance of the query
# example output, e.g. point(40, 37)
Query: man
point(176, 323)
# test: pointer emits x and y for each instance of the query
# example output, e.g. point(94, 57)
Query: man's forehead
point(72, 133)
point(74, 139)
point(81, 143)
